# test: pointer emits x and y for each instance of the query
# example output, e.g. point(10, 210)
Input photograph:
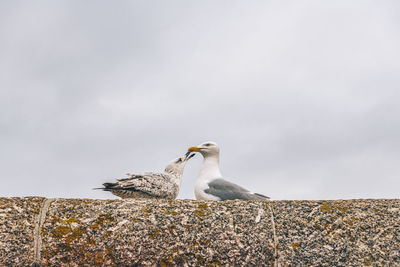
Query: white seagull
point(210, 185)
point(151, 185)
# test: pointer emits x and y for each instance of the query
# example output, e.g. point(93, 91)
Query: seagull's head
point(177, 165)
point(206, 149)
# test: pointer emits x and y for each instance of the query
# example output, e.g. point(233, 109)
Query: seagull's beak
point(188, 156)
point(193, 149)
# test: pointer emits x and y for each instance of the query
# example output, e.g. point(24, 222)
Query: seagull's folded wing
point(226, 190)
point(153, 184)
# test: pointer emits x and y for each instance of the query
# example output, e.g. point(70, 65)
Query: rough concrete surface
point(84, 232)
point(339, 233)
point(17, 225)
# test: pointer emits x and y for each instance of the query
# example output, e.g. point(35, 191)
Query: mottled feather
point(151, 185)
point(148, 185)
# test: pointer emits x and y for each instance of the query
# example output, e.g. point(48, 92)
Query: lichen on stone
point(202, 233)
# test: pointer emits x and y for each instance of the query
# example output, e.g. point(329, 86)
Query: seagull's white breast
point(208, 172)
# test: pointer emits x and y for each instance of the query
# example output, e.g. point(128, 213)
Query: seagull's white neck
point(210, 168)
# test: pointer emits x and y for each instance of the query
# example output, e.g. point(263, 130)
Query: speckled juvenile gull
point(210, 184)
point(151, 185)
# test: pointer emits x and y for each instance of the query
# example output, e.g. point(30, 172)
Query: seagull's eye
point(179, 160)
point(207, 144)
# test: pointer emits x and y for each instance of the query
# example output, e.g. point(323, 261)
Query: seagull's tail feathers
point(107, 186)
point(261, 197)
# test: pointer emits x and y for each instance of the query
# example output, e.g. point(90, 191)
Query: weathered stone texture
point(155, 232)
point(83, 232)
point(17, 223)
point(339, 233)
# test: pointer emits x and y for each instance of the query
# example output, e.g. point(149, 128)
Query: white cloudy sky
point(302, 96)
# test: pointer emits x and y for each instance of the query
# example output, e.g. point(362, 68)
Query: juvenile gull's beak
point(189, 155)
point(193, 149)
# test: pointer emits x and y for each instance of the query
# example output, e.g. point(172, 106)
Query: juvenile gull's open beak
point(193, 149)
point(189, 155)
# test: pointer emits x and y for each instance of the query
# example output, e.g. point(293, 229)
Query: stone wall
point(77, 232)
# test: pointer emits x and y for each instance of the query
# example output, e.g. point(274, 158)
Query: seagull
point(151, 185)
point(210, 185)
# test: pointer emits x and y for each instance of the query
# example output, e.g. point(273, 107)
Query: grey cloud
point(301, 97)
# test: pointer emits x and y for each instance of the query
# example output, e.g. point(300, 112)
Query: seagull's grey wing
point(226, 190)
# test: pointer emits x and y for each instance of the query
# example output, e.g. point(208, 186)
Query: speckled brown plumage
point(151, 185)
point(148, 185)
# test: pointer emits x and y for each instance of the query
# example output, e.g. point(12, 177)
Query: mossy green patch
point(153, 234)
point(295, 246)
point(76, 234)
point(102, 220)
point(199, 212)
point(60, 231)
point(200, 260)
point(170, 212)
point(167, 262)
point(326, 207)
point(202, 206)
point(215, 263)
point(172, 229)
point(99, 257)
point(147, 210)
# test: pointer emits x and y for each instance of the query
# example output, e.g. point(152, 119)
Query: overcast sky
point(303, 97)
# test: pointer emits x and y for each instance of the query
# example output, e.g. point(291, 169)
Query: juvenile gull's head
point(177, 165)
